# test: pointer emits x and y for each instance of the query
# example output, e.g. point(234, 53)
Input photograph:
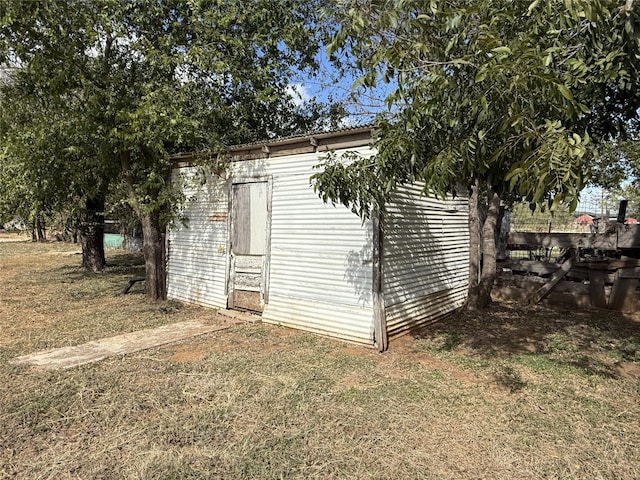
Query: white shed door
point(249, 235)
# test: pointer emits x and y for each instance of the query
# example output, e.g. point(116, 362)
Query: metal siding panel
point(423, 310)
point(425, 258)
point(320, 273)
point(336, 320)
point(186, 290)
point(320, 276)
point(197, 260)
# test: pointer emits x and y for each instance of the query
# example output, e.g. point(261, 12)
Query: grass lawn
point(513, 392)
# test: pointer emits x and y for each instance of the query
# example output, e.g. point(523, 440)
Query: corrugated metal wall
point(320, 265)
point(320, 276)
point(197, 257)
point(425, 258)
point(320, 256)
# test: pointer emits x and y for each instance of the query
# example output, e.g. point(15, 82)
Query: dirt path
point(68, 357)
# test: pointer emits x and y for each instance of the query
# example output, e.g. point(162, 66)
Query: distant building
point(584, 219)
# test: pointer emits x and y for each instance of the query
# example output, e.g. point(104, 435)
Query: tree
point(27, 193)
point(54, 165)
point(508, 99)
point(142, 79)
point(617, 162)
point(631, 193)
point(617, 170)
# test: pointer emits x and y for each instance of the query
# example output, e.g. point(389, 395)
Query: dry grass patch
point(508, 393)
point(50, 302)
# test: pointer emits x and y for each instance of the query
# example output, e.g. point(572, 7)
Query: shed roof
point(319, 141)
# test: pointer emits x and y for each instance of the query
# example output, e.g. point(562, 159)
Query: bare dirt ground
point(511, 392)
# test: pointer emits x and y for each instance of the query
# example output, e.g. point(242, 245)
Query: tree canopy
point(516, 95)
point(510, 98)
point(118, 85)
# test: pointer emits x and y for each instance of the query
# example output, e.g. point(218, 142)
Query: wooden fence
point(597, 270)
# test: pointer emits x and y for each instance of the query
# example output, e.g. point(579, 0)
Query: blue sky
point(330, 84)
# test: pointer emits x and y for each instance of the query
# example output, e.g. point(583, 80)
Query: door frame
point(266, 263)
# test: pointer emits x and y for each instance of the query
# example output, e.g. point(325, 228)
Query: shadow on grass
point(593, 342)
point(126, 263)
point(509, 377)
point(121, 266)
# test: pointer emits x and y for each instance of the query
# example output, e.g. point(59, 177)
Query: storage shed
point(259, 238)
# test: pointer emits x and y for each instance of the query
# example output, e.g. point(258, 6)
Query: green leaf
point(504, 50)
point(556, 202)
point(480, 76)
point(565, 92)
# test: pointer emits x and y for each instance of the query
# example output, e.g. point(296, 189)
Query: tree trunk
point(488, 276)
point(153, 236)
point(474, 249)
point(91, 233)
point(40, 228)
point(70, 231)
point(38, 233)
